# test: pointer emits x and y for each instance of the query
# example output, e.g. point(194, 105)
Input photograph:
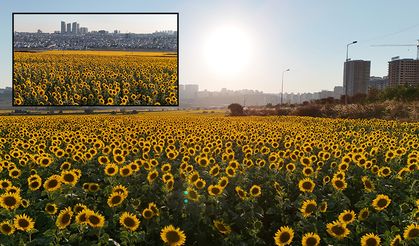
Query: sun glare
point(228, 50)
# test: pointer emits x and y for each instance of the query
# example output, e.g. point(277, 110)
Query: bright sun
point(228, 50)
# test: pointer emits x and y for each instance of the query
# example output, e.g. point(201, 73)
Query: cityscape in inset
point(72, 36)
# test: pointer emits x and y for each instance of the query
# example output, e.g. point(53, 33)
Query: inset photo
point(95, 59)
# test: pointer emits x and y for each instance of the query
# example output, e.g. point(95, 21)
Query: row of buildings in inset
point(357, 79)
point(73, 28)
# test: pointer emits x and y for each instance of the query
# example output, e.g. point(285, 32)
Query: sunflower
point(308, 207)
point(53, 183)
point(337, 230)
point(79, 207)
point(34, 185)
point(215, 190)
point(223, 182)
point(7, 228)
point(310, 239)
point(25, 203)
point(215, 170)
point(368, 185)
point(119, 159)
point(81, 217)
point(241, 193)
point(200, 183)
point(10, 200)
point(347, 217)
point(396, 241)
point(255, 191)
point(14, 173)
point(284, 236)
point(339, 184)
point(115, 199)
point(23, 222)
point(222, 227)
point(323, 206)
point(94, 219)
point(381, 202)
point(370, 239)
point(363, 214)
point(103, 160)
point(121, 189)
point(307, 171)
point(230, 171)
point(384, 172)
point(290, 167)
point(125, 171)
point(51, 208)
point(147, 213)
point(152, 176)
point(192, 195)
point(306, 185)
point(129, 221)
point(411, 232)
point(5, 183)
point(111, 169)
point(64, 218)
point(93, 187)
point(154, 208)
point(172, 236)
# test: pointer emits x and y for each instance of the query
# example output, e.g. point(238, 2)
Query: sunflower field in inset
point(184, 178)
point(56, 78)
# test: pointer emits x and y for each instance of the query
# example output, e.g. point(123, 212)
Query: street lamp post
point(282, 90)
point(346, 69)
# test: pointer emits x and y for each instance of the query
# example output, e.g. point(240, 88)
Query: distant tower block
point(68, 27)
point(63, 27)
point(74, 29)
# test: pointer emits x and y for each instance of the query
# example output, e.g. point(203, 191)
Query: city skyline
point(307, 37)
point(50, 23)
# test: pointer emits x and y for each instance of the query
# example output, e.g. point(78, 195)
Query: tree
point(235, 109)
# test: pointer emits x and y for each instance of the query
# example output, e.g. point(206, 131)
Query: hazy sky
point(308, 37)
point(139, 23)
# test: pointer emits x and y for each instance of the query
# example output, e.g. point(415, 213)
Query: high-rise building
point(62, 26)
point(74, 29)
point(403, 72)
point(78, 28)
point(83, 30)
point(68, 27)
point(356, 74)
point(377, 83)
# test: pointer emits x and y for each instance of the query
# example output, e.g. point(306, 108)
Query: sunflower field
point(183, 178)
point(54, 78)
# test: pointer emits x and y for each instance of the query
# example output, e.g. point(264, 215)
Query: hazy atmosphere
point(247, 44)
point(134, 23)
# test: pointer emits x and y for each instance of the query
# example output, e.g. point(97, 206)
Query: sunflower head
point(222, 227)
point(381, 202)
point(255, 191)
point(94, 219)
point(64, 218)
point(370, 239)
point(129, 221)
point(284, 236)
point(411, 232)
point(310, 239)
point(308, 207)
point(7, 228)
point(172, 236)
point(10, 200)
point(337, 230)
point(347, 217)
point(51, 208)
point(23, 222)
point(306, 185)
